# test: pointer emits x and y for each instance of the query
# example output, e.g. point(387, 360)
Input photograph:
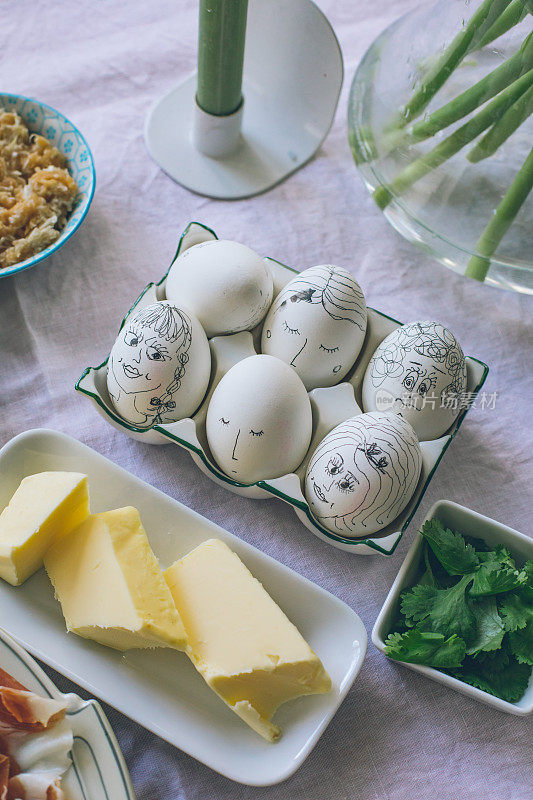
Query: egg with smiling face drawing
point(159, 365)
point(363, 473)
point(259, 420)
point(419, 372)
point(317, 324)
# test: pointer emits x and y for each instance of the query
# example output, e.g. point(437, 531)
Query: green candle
point(221, 37)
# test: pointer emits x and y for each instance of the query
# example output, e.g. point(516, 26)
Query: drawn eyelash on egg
point(289, 329)
point(224, 421)
point(328, 349)
point(256, 433)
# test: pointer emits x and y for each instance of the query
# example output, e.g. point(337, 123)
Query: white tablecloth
point(103, 63)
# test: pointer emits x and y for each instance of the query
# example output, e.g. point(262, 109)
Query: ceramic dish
point(160, 689)
point(98, 771)
point(330, 407)
point(49, 123)
point(473, 524)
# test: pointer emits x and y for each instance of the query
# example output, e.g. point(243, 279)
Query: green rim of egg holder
point(84, 197)
point(302, 506)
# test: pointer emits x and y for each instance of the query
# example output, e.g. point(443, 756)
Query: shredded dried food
point(37, 192)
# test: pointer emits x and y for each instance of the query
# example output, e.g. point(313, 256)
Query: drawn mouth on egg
point(131, 372)
point(407, 405)
point(319, 493)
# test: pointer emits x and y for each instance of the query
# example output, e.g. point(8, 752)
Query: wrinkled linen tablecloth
point(103, 63)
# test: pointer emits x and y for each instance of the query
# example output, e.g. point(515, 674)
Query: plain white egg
point(226, 284)
point(317, 324)
point(259, 420)
point(419, 372)
point(159, 366)
point(363, 473)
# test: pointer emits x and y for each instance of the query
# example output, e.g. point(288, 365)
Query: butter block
point(45, 507)
point(110, 585)
point(240, 641)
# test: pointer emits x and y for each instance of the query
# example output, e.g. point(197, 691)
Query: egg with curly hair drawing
point(363, 473)
point(159, 365)
point(418, 372)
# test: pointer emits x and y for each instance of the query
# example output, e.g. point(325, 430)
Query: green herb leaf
point(425, 647)
point(456, 556)
point(509, 683)
point(528, 569)
point(493, 577)
point(445, 611)
point(489, 626)
point(521, 642)
point(499, 554)
point(516, 610)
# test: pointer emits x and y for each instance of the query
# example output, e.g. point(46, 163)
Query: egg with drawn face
point(159, 366)
point(418, 372)
point(363, 473)
point(317, 324)
point(226, 284)
point(259, 420)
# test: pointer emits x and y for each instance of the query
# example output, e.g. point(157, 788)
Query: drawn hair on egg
point(391, 472)
point(429, 339)
point(340, 297)
point(173, 326)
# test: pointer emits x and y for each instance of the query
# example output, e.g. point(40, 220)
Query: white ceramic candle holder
point(292, 79)
point(330, 407)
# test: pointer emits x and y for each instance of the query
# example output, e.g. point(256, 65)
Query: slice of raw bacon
point(35, 742)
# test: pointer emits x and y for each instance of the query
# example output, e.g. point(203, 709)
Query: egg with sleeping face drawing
point(317, 324)
point(419, 372)
point(259, 420)
point(159, 366)
point(363, 473)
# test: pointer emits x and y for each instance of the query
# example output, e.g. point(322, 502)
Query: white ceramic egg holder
point(292, 78)
point(330, 407)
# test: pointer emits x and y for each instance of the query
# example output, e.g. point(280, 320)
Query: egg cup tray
point(330, 407)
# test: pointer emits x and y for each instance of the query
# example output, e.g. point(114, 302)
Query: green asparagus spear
point(503, 128)
point(513, 14)
point(455, 142)
point(479, 93)
point(516, 195)
point(479, 23)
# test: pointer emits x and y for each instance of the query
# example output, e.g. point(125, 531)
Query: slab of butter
point(240, 641)
point(45, 507)
point(110, 585)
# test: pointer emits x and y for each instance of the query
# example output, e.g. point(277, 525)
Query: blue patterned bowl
point(48, 122)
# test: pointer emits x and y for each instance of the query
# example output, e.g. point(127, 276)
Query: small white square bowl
point(470, 523)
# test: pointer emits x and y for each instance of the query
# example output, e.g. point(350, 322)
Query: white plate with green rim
point(160, 688)
point(98, 771)
point(330, 407)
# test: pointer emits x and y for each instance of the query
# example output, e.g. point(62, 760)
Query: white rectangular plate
point(160, 689)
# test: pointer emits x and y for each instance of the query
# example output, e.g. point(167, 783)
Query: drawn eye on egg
point(317, 325)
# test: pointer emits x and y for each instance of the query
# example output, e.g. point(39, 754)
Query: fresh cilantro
point(470, 614)
point(493, 577)
point(456, 556)
point(509, 683)
point(528, 569)
point(489, 626)
point(425, 647)
point(517, 609)
point(445, 611)
point(521, 642)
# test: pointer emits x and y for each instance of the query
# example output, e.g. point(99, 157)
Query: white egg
point(317, 324)
point(363, 473)
point(259, 420)
point(226, 284)
point(418, 372)
point(159, 366)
